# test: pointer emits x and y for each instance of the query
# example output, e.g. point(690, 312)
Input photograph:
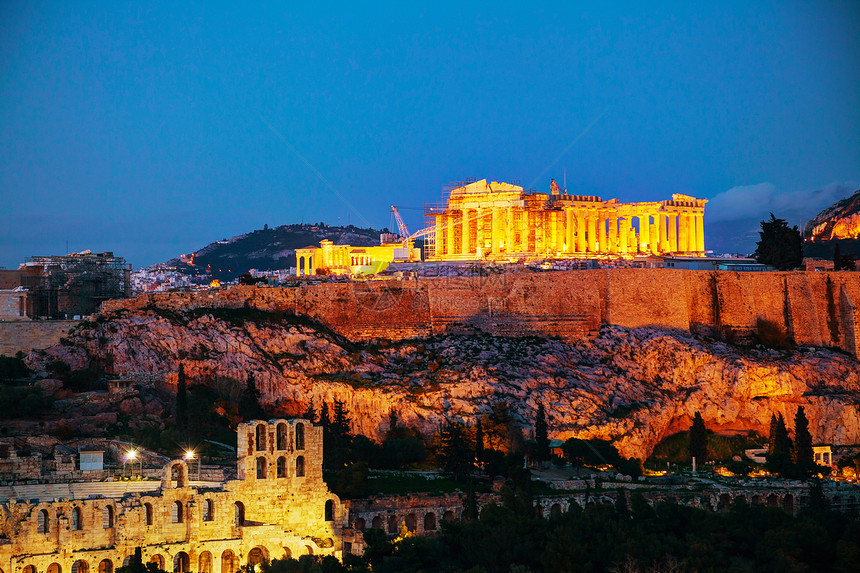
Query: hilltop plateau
point(632, 385)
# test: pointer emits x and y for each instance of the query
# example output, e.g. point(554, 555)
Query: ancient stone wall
point(814, 308)
point(24, 336)
point(185, 528)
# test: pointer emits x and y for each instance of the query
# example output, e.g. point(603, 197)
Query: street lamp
point(129, 458)
point(190, 456)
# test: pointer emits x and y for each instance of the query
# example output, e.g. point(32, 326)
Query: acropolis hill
point(627, 355)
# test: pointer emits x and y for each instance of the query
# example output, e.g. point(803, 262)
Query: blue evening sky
point(154, 128)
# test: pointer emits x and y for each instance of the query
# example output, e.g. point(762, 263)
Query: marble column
point(613, 234)
point(479, 224)
point(683, 232)
point(656, 247)
point(464, 232)
point(644, 233)
point(580, 230)
point(672, 222)
point(570, 228)
point(592, 241)
point(700, 232)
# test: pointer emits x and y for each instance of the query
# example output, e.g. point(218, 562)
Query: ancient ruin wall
point(814, 308)
point(24, 336)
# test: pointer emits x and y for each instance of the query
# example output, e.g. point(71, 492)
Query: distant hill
point(837, 224)
point(267, 249)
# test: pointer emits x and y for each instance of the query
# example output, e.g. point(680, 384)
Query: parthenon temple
point(501, 221)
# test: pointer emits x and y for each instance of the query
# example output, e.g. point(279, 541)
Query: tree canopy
point(780, 246)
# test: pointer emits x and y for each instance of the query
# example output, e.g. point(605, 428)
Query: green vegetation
point(676, 448)
point(629, 535)
point(780, 246)
point(13, 368)
point(699, 439)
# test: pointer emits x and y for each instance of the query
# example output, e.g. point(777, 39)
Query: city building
point(501, 221)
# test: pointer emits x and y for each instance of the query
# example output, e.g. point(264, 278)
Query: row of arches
point(280, 467)
point(178, 513)
point(76, 521)
point(393, 523)
point(281, 437)
point(230, 563)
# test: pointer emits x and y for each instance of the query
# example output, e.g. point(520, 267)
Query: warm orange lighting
point(215, 283)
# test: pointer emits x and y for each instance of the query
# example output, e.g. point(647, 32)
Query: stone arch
point(448, 516)
point(287, 553)
point(176, 512)
point(105, 566)
point(772, 500)
point(175, 475)
point(238, 514)
point(54, 568)
point(147, 513)
point(260, 441)
point(204, 562)
point(328, 511)
point(80, 566)
point(261, 467)
point(724, 502)
point(300, 436)
point(411, 522)
point(282, 436)
point(788, 503)
point(430, 521)
point(229, 563)
point(555, 511)
point(158, 559)
point(208, 513)
point(181, 563)
point(282, 467)
point(258, 555)
point(107, 517)
point(76, 522)
point(376, 523)
point(29, 569)
point(392, 525)
point(300, 466)
point(359, 524)
point(309, 550)
point(757, 499)
point(42, 521)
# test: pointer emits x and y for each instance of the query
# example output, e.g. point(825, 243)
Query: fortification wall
point(813, 307)
point(24, 336)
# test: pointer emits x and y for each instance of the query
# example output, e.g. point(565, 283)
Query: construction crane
point(401, 226)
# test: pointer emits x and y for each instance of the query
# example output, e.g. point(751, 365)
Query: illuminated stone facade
point(501, 221)
point(278, 506)
point(329, 258)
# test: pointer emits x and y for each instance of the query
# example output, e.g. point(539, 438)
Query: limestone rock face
point(633, 386)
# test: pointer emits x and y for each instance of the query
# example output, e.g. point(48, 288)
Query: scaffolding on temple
point(64, 286)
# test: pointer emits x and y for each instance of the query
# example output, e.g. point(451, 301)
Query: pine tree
point(779, 458)
point(771, 434)
point(181, 398)
point(479, 442)
point(699, 439)
point(456, 453)
point(341, 425)
point(470, 504)
point(324, 420)
point(541, 436)
point(780, 246)
point(803, 454)
point(310, 412)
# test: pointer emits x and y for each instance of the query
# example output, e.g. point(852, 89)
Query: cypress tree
point(772, 434)
point(698, 439)
point(181, 398)
point(310, 412)
point(479, 442)
point(802, 438)
point(541, 435)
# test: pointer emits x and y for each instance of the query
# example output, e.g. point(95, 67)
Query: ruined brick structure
point(279, 506)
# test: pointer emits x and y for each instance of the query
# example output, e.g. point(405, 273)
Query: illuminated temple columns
point(683, 231)
point(691, 232)
point(450, 247)
point(644, 232)
point(672, 219)
point(580, 231)
point(654, 235)
point(591, 243)
point(524, 231)
point(613, 234)
point(700, 232)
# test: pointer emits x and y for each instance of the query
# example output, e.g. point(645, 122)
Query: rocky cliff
point(632, 385)
point(839, 221)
